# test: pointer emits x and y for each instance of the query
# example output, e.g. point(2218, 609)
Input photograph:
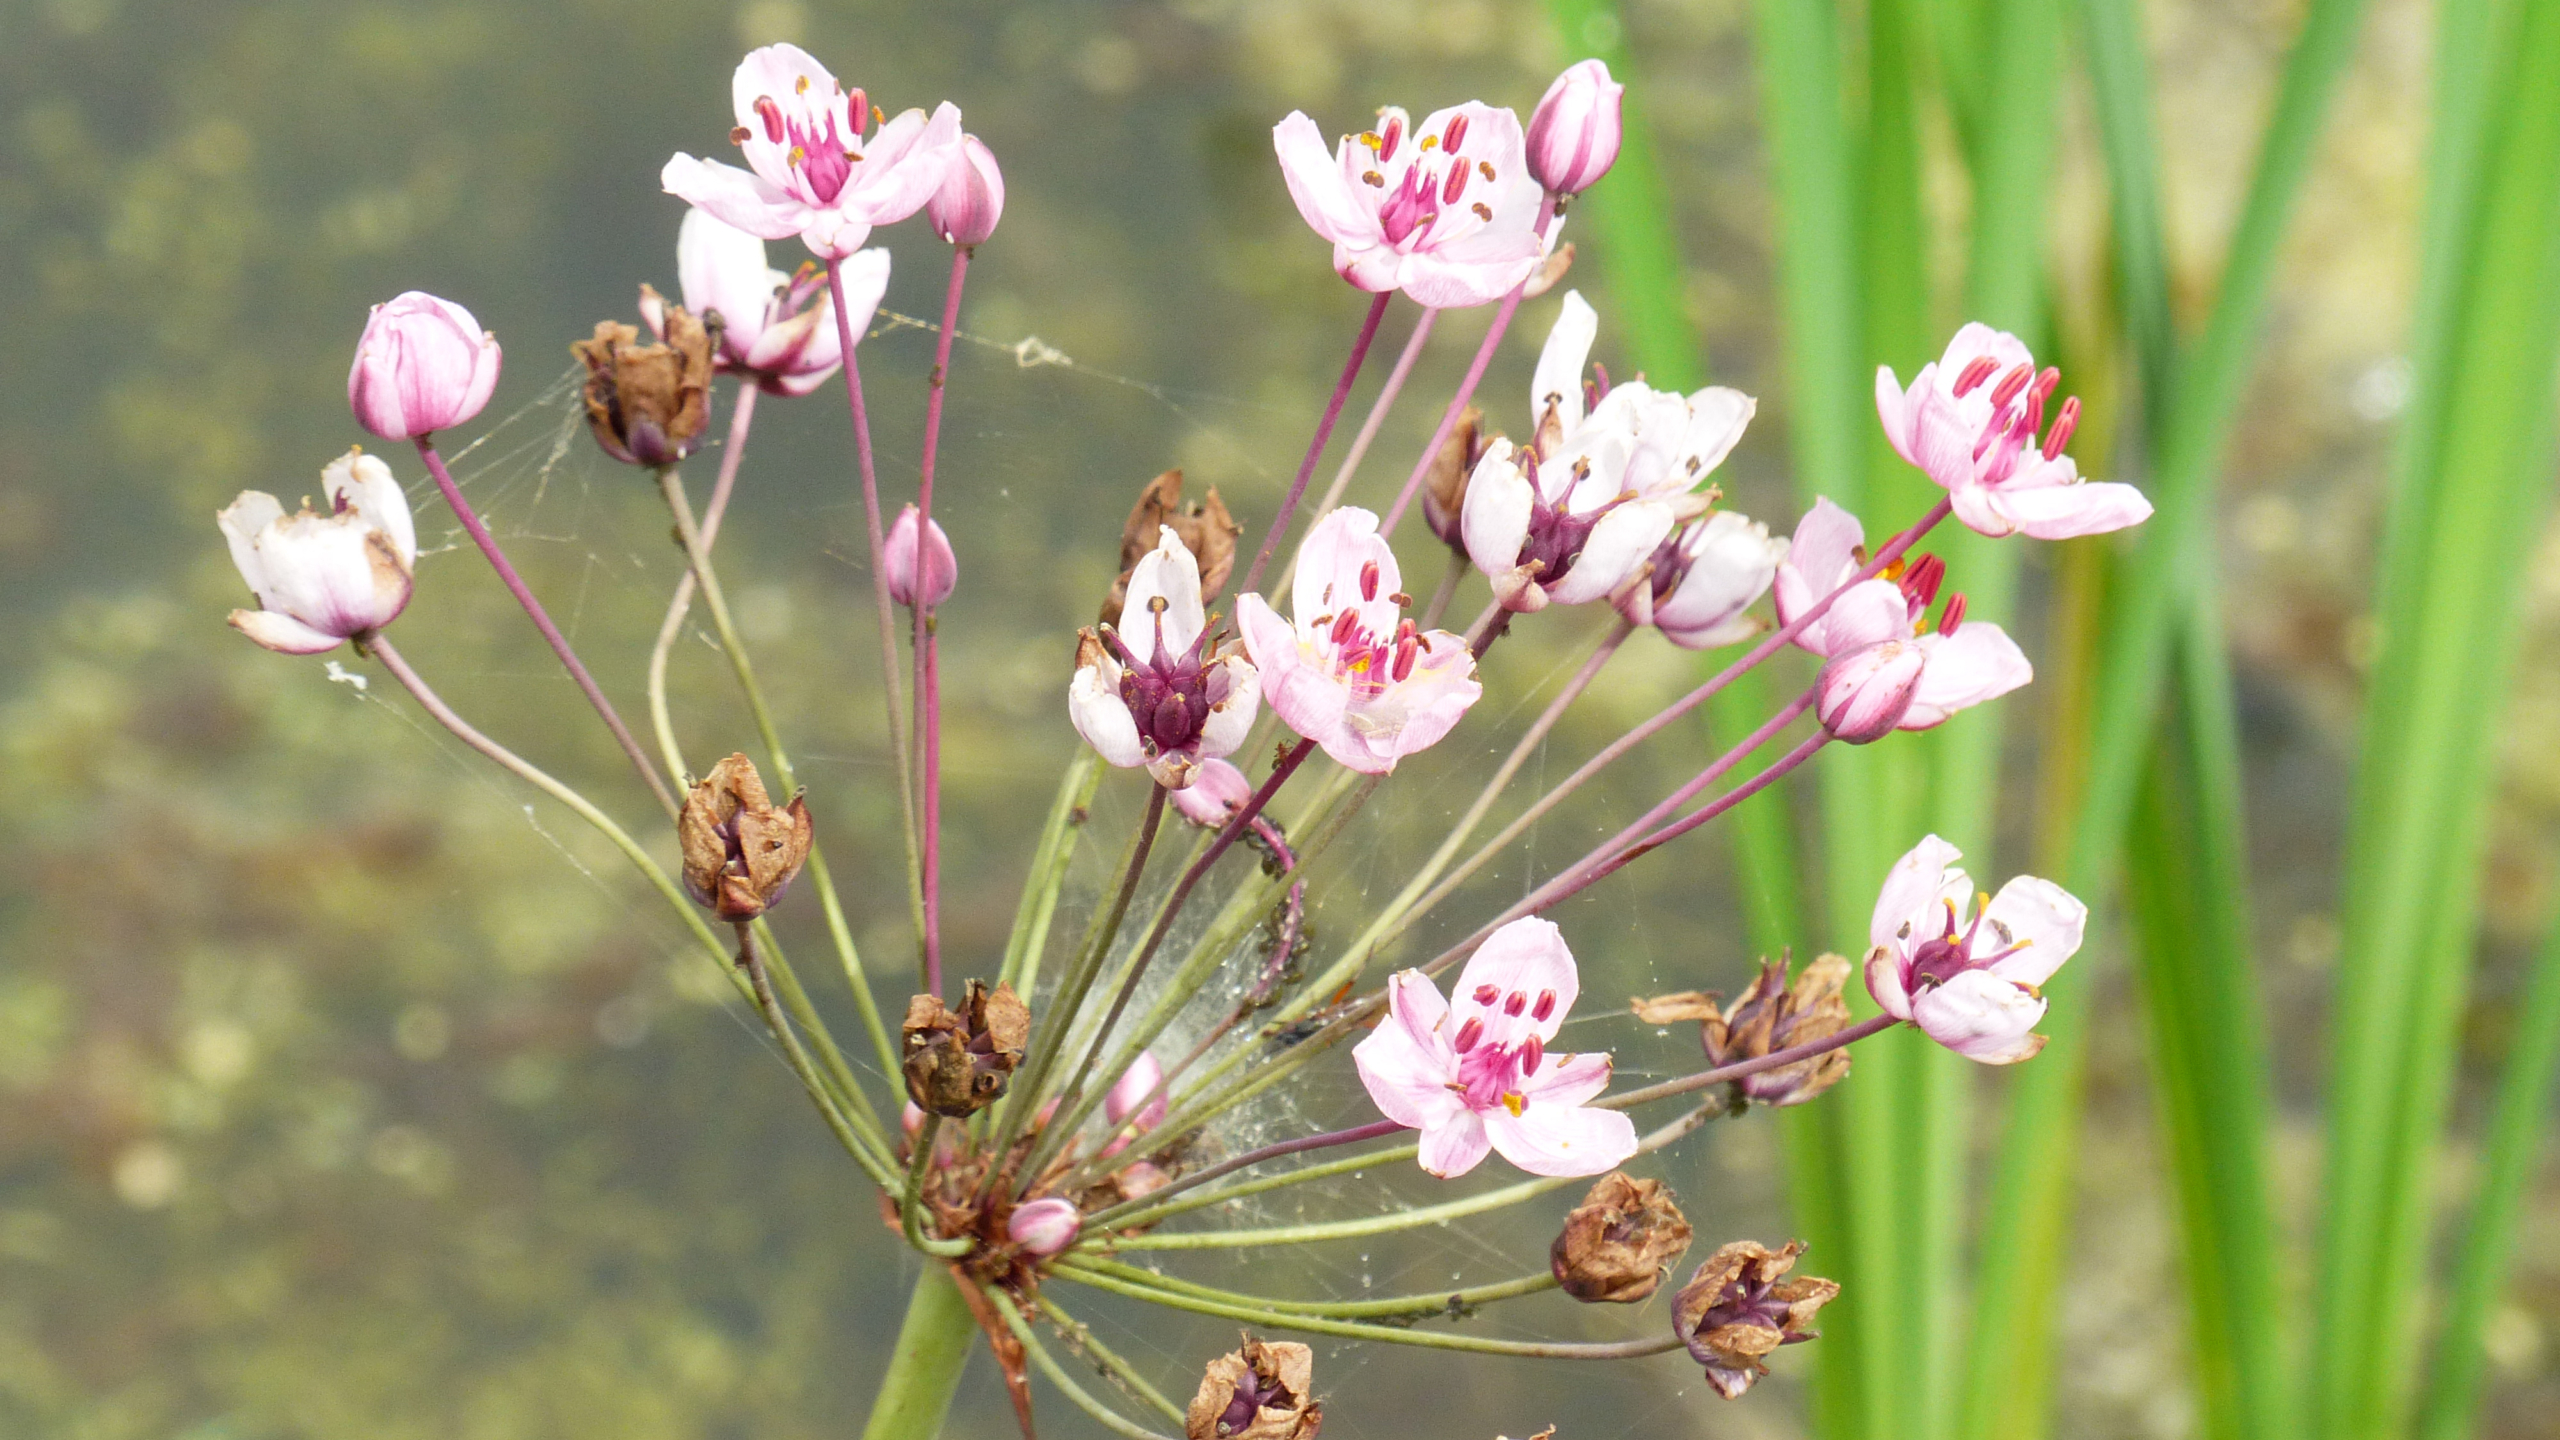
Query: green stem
point(1030, 934)
point(924, 1369)
point(698, 556)
point(1112, 1420)
point(1453, 1303)
point(1081, 1338)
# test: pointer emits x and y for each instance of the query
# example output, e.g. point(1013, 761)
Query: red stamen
point(1388, 138)
point(1921, 581)
point(1953, 615)
point(1468, 1035)
point(1345, 626)
point(1369, 581)
point(1408, 650)
point(1530, 1055)
point(2063, 425)
point(771, 114)
point(1514, 1003)
point(1974, 374)
point(1546, 1006)
point(1455, 135)
point(1487, 994)
point(2046, 381)
point(2010, 384)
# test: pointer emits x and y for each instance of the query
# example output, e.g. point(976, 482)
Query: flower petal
point(1981, 1017)
point(2040, 915)
point(1625, 538)
point(1523, 969)
point(1099, 714)
point(1558, 381)
point(740, 197)
point(1456, 1145)
point(1561, 1139)
point(282, 633)
point(1493, 519)
point(1913, 891)
point(1316, 184)
point(1977, 663)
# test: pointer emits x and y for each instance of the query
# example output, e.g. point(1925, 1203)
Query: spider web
point(1022, 417)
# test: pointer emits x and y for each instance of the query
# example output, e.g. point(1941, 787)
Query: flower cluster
point(1063, 1108)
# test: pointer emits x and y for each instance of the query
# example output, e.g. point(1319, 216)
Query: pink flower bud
point(1863, 695)
point(1140, 1085)
point(422, 365)
point(1216, 792)
point(941, 570)
point(1573, 137)
point(965, 210)
point(1045, 1226)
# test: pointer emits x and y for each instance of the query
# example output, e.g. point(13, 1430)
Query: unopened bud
point(1740, 1306)
point(1861, 696)
point(1619, 1242)
point(1257, 1393)
point(965, 210)
point(1043, 1227)
point(740, 851)
point(1772, 1015)
point(941, 569)
point(422, 365)
point(1216, 792)
point(647, 404)
point(1139, 1094)
point(1574, 133)
point(957, 1062)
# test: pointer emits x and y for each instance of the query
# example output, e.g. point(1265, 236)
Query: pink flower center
point(1433, 184)
point(1944, 956)
point(820, 154)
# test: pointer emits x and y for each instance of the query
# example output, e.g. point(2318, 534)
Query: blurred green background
point(341, 1093)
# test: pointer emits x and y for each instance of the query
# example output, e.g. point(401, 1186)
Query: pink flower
point(941, 568)
point(422, 365)
point(1150, 692)
point(322, 578)
point(810, 171)
point(776, 330)
point(1043, 1227)
point(1699, 585)
point(1350, 672)
point(1970, 422)
point(1961, 663)
point(1573, 515)
point(1216, 792)
point(965, 210)
point(1970, 986)
point(1447, 213)
point(1477, 1075)
point(1574, 132)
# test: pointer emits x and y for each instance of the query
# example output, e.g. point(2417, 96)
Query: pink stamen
point(1530, 1054)
point(1388, 140)
point(1468, 1035)
point(1514, 1003)
point(1369, 581)
point(1953, 615)
point(1974, 374)
point(771, 114)
point(2063, 425)
point(1408, 650)
point(1457, 185)
point(1546, 1006)
point(2010, 384)
point(1487, 994)
point(2046, 381)
point(1455, 135)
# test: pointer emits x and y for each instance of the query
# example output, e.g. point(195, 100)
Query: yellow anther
point(1515, 1102)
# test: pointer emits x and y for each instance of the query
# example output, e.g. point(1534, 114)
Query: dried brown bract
point(1203, 526)
point(1773, 1015)
point(740, 852)
point(1741, 1305)
point(958, 1061)
point(1257, 1393)
point(1620, 1241)
point(647, 404)
point(1558, 261)
point(1444, 492)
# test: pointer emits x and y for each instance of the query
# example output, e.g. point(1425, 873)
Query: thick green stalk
point(2422, 800)
point(2511, 1154)
point(924, 1367)
point(2032, 1191)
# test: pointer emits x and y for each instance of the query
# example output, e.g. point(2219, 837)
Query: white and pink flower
point(1699, 587)
point(1889, 668)
point(1969, 421)
point(1574, 514)
point(811, 171)
point(1150, 692)
point(1476, 1076)
point(1971, 985)
point(1447, 212)
point(1349, 671)
point(777, 330)
point(321, 578)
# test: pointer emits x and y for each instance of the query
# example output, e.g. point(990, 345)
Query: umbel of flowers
point(1076, 1100)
